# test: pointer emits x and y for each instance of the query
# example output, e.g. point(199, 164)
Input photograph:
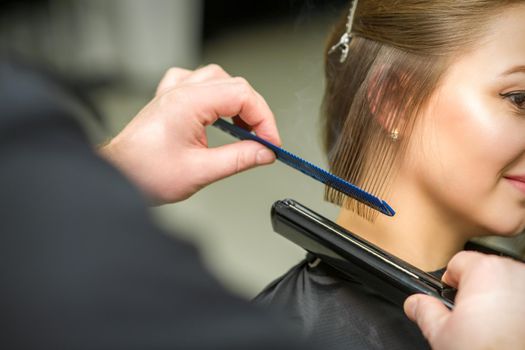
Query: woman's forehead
point(502, 50)
point(498, 54)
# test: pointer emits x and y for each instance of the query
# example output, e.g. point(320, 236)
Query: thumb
point(234, 158)
point(429, 313)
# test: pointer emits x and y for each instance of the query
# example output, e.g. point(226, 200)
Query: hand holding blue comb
point(310, 169)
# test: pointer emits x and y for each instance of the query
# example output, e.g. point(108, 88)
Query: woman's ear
point(384, 90)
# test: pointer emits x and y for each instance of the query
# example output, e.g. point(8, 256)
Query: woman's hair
point(398, 53)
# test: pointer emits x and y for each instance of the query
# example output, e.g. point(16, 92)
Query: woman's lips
point(517, 181)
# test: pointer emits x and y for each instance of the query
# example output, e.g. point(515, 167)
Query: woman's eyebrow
point(515, 69)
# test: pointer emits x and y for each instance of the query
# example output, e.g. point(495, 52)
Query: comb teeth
point(310, 169)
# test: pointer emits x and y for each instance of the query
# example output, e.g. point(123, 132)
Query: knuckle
point(215, 68)
point(243, 162)
point(463, 257)
point(240, 162)
point(173, 71)
point(245, 90)
point(241, 81)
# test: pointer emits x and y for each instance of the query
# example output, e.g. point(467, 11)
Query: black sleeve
point(81, 264)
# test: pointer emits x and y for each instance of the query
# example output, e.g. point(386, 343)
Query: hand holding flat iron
point(489, 311)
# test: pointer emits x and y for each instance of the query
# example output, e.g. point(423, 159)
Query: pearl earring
point(394, 135)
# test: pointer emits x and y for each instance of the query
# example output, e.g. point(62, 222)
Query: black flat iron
point(337, 247)
point(354, 257)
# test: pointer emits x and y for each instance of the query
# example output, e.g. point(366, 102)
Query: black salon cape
point(341, 313)
point(82, 266)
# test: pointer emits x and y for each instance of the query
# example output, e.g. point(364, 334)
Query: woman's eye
point(516, 98)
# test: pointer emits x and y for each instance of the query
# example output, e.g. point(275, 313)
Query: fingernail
point(264, 156)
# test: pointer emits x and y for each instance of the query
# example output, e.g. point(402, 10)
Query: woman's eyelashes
point(517, 98)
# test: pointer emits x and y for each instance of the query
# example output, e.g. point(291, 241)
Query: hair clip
point(346, 38)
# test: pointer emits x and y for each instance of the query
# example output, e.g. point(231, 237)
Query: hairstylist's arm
point(164, 149)
point(490, 305)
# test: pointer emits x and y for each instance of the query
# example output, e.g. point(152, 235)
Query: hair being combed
point(399, 52)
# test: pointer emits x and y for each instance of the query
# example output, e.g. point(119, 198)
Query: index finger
point(258, 116)
point(171, 79)
point(229, 98)
point(460, 264)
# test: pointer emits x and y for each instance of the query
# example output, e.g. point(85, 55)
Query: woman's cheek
point(458, 147)
point(479, 141)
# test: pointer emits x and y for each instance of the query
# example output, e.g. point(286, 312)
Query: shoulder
point(313, 286)
point(339, 311)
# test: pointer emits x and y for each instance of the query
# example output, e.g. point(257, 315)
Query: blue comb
point(310, 169)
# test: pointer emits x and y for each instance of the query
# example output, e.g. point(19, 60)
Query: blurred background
point(114, 52)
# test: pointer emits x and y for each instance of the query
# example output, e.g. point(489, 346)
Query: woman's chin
point(507, 229)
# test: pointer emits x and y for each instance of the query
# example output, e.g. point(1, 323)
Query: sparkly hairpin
point(346, 38)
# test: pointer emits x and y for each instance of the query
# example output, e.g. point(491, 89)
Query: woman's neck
point(419, 233)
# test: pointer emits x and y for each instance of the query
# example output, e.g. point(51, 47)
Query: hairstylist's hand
point(164, 149)
point(489, 311)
